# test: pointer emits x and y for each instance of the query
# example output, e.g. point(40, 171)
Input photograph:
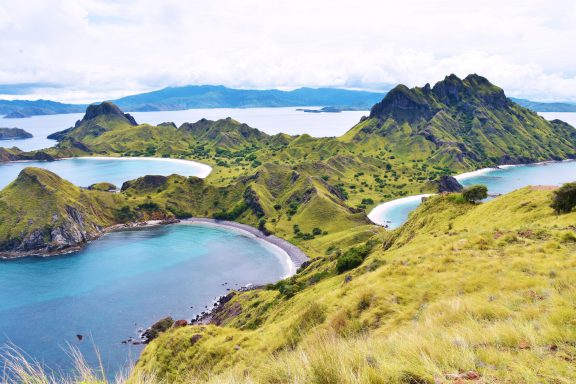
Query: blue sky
point(88, 50)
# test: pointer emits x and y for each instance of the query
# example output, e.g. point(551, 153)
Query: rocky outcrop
point(98, 119)
point(449, 184)
point(106, 109)
point(149, 182)
point(253, 202)
point(157, 328)
point(462, 124)
point(445, 184)
point(44, 214)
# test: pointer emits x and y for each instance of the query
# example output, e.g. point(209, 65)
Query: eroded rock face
point(449, 184)
point(70, 233)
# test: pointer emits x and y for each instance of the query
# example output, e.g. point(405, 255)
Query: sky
point(90, 50)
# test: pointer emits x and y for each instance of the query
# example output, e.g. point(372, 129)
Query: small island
point(14, 134)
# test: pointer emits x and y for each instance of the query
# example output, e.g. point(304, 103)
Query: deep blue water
point(123, 282)
point(498, 181)
point(86, 171)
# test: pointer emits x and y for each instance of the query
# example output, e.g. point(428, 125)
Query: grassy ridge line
point(461, 287)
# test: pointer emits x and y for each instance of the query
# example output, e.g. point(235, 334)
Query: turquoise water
point(499, 181)
point(123, 282)
point(86, 171)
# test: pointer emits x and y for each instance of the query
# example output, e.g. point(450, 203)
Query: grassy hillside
point(40, 212)
point(462, 124)
point(461, 287)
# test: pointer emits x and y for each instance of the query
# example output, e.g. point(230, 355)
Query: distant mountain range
point(546, 107)
point(217, 96)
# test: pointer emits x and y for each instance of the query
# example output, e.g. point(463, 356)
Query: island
point(464, 291)
point(14, 134)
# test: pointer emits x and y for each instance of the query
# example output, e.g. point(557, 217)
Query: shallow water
point(498, 181)
point(123, 282)
point(270, 120)
point(85, 171)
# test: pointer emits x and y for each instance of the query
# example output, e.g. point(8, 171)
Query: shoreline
point(294, 257)
point(380, 209)
point(204, 168)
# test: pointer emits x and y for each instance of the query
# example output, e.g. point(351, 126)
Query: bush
point(564, 199)
point(148, 206)
point(475, 193)
point(353, 257)
point(348, 261)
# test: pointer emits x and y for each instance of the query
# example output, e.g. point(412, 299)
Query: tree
point(564, 199)
point(475, 193)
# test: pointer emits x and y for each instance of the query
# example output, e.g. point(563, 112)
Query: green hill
point(463, 124)
point(483, 289)
point(461, 291)
point(42, 213)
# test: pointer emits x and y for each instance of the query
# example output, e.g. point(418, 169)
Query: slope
point(461, 291)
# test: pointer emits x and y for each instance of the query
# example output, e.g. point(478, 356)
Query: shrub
point(348, 261)
point(564, 199)
point(124, 214)
point(353, 257)
point(475, 193)
point(148, 206)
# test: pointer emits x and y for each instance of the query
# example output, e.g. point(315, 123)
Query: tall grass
point(17, 367)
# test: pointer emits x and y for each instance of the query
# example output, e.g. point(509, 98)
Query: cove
point(84, 171)
point(500, 180)
point(124, 282)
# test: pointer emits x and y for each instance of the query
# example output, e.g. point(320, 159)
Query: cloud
point(95, 49)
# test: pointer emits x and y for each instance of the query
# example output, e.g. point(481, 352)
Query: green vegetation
point(481, 288)
point(39, 211)
point(460, 288)
point(104, 186)
point(564, 198)
point(475, 193)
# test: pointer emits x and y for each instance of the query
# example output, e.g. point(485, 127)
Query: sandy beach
point(294, 255)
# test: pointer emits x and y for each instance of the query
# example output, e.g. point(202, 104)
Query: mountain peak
point(38, 176)
point(107, 108)
point(412, 104)
point(405, 104)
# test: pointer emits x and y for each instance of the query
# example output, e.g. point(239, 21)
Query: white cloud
point(102, 49)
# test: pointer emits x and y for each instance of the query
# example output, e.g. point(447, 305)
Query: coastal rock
point(157, 328)
point(445, 184)
point(449, 184)
point(61, 216)
point(180, 323)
